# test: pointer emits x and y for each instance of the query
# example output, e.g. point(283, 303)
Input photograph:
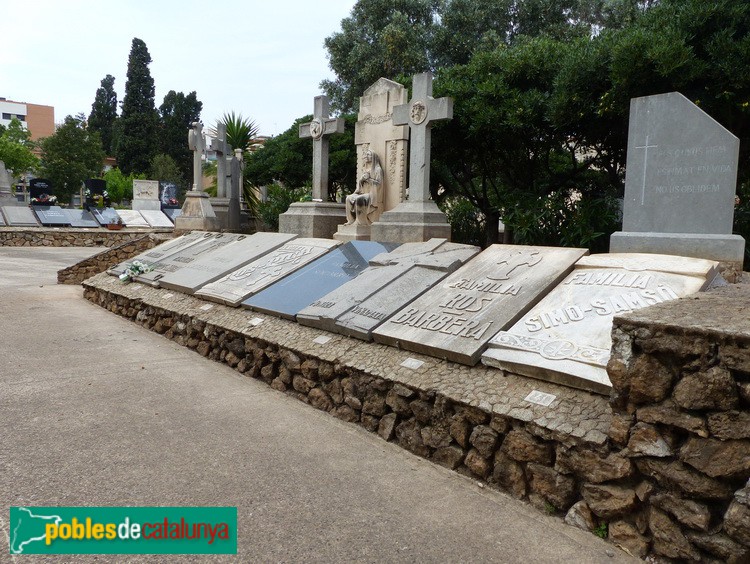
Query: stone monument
point(318, 218)
point(197, 212)
point(146, 195)
point(418, 218)
point(381, 160)
point(234, 213)
point(224, 154)
point(680, 183)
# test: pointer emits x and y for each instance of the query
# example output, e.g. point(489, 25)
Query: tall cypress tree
point(104, 112)
point(137, 127)
point(177, 113)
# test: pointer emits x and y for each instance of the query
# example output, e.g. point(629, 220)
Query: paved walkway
point(95, 410)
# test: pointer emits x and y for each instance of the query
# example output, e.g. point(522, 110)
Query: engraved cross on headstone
point(646, 147)
point(419, 114)
point(319, 129)
point(223, 150)
point(197, 144)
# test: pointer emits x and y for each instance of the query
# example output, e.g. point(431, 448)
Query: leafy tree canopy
point(104, 112)
point(16, 149)
point(178, 112)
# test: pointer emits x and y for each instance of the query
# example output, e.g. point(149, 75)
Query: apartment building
point(38, 119)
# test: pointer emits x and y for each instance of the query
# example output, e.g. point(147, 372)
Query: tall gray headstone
point(680, 182)
point(146, 195)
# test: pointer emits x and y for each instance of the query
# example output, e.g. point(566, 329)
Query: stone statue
point(366, 198)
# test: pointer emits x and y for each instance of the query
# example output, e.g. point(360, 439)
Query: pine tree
point(136, 138)
point(104, 112)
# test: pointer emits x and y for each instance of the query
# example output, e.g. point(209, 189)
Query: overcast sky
point(264, 59)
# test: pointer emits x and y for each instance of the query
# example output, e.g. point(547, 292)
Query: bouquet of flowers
point(45, 199)
point(136, 268)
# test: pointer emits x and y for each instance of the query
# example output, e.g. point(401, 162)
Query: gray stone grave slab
point(250, 279)
point(456, 319)
point(20, 216)
point(222, 261)
point(51, 216)
point(681, 179)
point(187, 255)
point(295, 292)
point(80, 218)
point(105, 216)
point(172, 213)
point(160, 252)
point(566, 337)
point(2, 219)
point(156, 218)
point(132, 218)
point(391, 281)
point(146, 195)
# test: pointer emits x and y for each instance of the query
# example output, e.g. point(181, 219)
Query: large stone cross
point(197, 144)
point(419, 114)
point(223, 150)
point(320, 128)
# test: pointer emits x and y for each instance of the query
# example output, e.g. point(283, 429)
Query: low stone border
point(612, 469)
point(68, 237)
point(115, 255)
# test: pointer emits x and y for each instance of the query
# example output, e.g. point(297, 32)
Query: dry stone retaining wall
point(61, 237)
point(661, 471)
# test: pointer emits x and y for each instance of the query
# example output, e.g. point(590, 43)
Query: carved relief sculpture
point(367, 198)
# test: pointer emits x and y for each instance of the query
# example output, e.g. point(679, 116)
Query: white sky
point(263, 59)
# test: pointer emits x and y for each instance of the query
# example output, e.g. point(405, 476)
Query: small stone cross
point(646, 147)
point(223, 150)
point(197, 144)
point(320, 128)
point(419, 114)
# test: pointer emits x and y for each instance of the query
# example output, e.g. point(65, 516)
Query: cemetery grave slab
point(566, 337)
point(187, 255)
point(51, 216)
point(221, 262)
point(156, 218)
point(253, 277)
point(160, 252)
point(456, 319)
point(80, 218)
point(105, 216)
point(2, 220)
point(20, 216)
point(132, 218)
point(298, 290)
point(391, 281)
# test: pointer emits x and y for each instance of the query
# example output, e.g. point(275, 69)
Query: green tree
point(16, 149)
point(164, 168)
point(104, 112)
point(136, 134)
point(380, 38)
point(70, 156)
point(178, 112)
point(120, 186)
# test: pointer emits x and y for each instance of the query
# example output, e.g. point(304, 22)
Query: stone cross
point(320, 128)
point(645, 147)
point(197, 144)
point(419, 115)
point(235, 191)
point(223, 150)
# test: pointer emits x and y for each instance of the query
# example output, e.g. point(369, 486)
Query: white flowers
point(136, 268)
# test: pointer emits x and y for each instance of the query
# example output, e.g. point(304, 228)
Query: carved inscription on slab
point(253, 277)
point(152, 256)
point(566, 338)
point(457, 318)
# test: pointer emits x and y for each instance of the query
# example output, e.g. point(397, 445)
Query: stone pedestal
point(353, 232)
point(197, 213)
point(411, 222)
point(221, 209)
point(312, 219)
point(145, 205)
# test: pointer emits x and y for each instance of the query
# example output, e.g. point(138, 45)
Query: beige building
point(38, 119)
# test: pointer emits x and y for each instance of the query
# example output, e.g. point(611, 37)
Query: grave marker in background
point(146, 195)
point(132, 218)
point(20, 216)
point(680, 182)
point(156, 218)
point(566, 337)
point(456, 319)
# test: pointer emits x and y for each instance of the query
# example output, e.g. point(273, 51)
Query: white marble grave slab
point(253, 277)
point(132, 218)
point(566, 337)
point(186, 256)
point(391, 281)
point(221, 262)
point(153, 256)
point(20, 216)
point(456, 318)
point(156, 218)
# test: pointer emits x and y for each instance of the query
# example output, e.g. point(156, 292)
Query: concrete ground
point(95, 410)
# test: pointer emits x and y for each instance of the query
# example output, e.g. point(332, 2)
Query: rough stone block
point(668, 414)
point(478, 464)
point(436, 436)
point(484, 439)
point(509, 475)
point(460, 430)
point(608, 502)
point(320, 400)
point(730, 425)
point(523, 447)
point(669, 540)
point(449, 456)
point(593, 466)
point(627, 537)
point(712, 389)
point(579, 515)
point(301, 384)
point(721, 546)
point(737, 522)
point(676, 475)
point(716, 458)
point(556, 488)
point(387, 425)
point(408, 436)
point(647, 440)
point(691, 513)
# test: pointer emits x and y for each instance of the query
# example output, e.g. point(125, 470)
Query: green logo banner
point(123, 530)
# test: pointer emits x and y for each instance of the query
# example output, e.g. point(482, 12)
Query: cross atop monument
point(419, 114)
point(223, 150)
point(197, 144)
point(320, 128)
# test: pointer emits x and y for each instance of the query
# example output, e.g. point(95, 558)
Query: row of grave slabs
point(55, 216)
point(542, 312)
